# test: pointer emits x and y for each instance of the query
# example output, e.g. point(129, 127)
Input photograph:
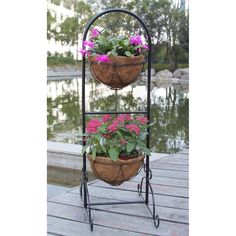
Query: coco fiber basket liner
point(119, 73)
point(115, 172)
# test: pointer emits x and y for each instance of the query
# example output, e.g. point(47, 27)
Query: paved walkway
point(66, 215)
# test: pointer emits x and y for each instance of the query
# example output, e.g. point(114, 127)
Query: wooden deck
point(67, 217)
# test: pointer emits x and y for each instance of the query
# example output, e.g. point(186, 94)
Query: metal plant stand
point(84, 189)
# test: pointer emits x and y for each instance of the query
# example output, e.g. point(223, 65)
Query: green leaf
point(146, 151)
point(126, 42)
point(143, 135)
point(128, 54)
point(94, 153)
point(103, 128)
point(103, 148)
point(114, 53)
point(103, 141)
point(113, 153)
point(125, 132)
point(97, 137)
point(119, 133)
point(130, 147)
point(84, 148)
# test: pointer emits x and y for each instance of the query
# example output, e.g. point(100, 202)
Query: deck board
point(118, 221)
point(158, 189)
point(120, 195)
point(170, 214)
point(170, 174)
point(67, 217)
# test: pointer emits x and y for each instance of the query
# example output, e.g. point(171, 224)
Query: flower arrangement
point(102, 47)
point(114, 137)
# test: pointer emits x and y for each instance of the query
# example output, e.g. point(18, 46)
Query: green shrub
point(61, 59)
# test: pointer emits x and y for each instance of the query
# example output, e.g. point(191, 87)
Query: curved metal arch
point(116, 10)
point(148, 86)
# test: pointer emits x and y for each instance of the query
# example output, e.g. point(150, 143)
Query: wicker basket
point(115, 172)
point(121, 72)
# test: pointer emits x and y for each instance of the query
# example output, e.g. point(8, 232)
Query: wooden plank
point(170, 214)
point(157, 189)
point(54, 234)
point(174, 161)
point(66, 227)
point(186, 151)
point(116, 194)
point(165, 166)
point(178, 155)
point(178, 159)
point(165, 181)
point(168, 173)
point(181, 158)
point(118, 221)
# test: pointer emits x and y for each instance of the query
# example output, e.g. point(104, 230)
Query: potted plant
point(115, 146)
point(114, 61)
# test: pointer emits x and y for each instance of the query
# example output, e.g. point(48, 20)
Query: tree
point(168, 27)
point(56, 2)
point(50, 22)
point(69, 31)
point(72, 27)
point(83, 13)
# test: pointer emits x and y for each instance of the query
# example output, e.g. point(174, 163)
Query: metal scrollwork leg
point(156, 218)
point(84, 185)
point(140, 186)
point(89, 208)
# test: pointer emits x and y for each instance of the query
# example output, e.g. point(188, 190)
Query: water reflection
point(169, 108)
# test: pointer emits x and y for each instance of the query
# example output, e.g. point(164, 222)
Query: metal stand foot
point(87, 203)
point(156, 218)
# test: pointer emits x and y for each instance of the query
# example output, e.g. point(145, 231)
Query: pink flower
point(145, 46)
point(88, 43)
point(113, 127)
point(95, 32)
point(133, 128)
point(136, 40)
point(84, 52)
point(106, 117)
point(128, 117)
point(120, 119)
point(93, 125)
point(103, 58)
point(142, 119)
point(123, 118)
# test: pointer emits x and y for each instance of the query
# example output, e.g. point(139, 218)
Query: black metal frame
point(148, 174)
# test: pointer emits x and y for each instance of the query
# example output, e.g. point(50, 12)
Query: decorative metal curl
point(156, 218)
point(150, 172)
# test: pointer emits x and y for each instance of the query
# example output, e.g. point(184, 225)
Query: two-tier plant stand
point(84, 189)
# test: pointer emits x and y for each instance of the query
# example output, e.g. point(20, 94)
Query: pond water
point(65, 176)
point(169, 108)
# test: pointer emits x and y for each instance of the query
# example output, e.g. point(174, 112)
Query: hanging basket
point(115, 172)
point(119, 73)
